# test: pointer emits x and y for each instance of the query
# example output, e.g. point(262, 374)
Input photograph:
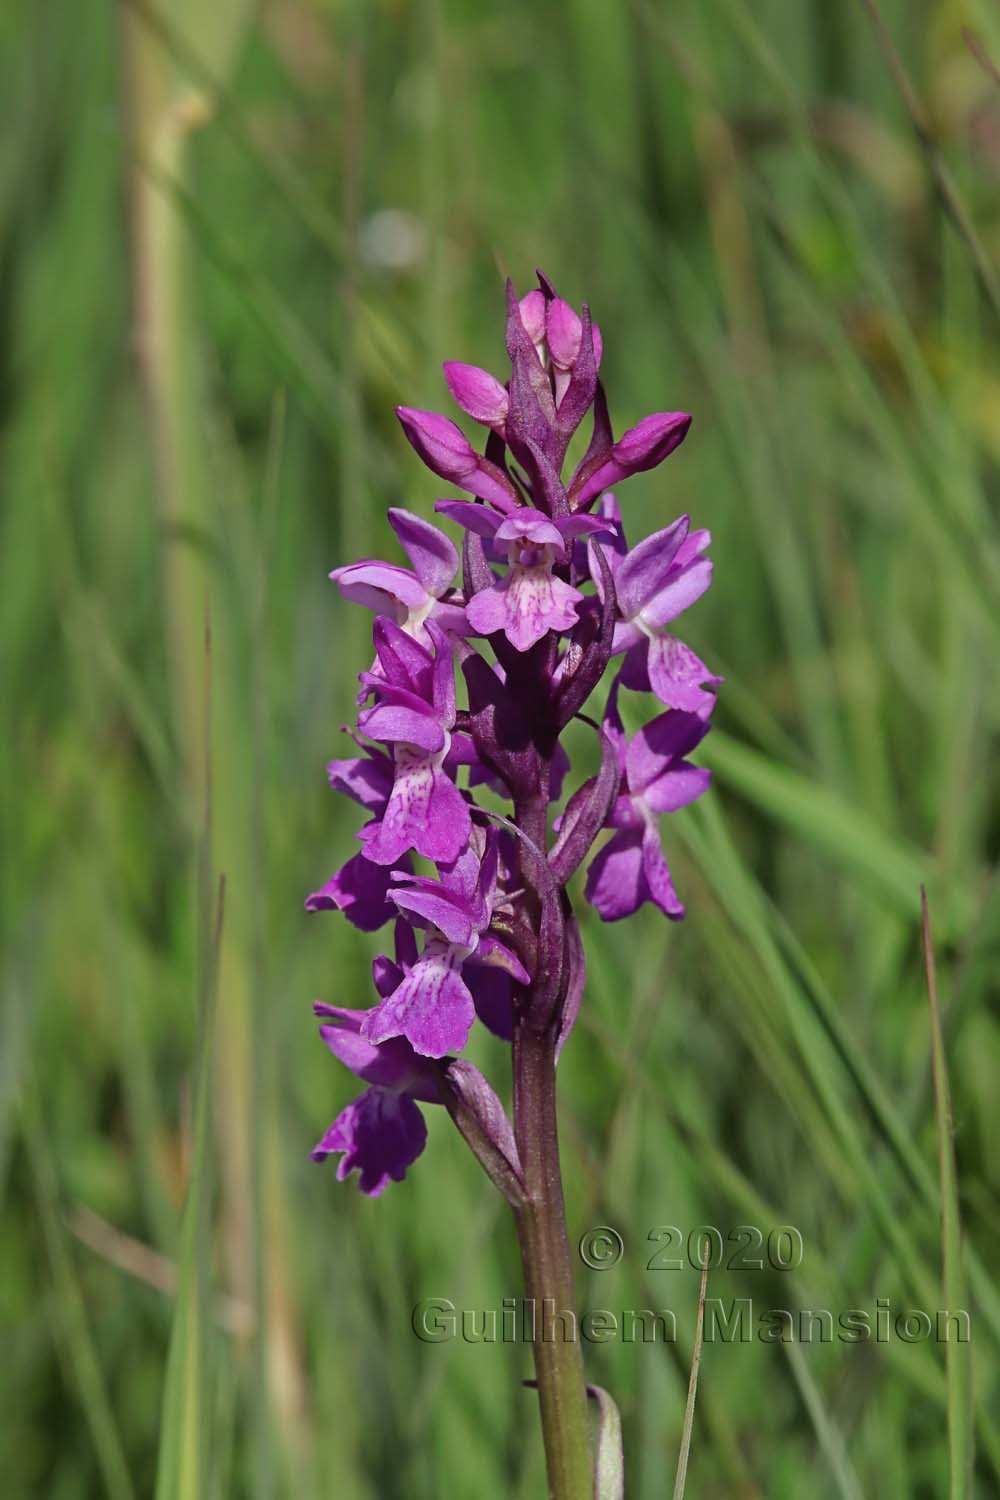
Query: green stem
point(545, 1257)
point(548, 1274)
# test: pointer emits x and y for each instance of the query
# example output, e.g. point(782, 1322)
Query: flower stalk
point(548, 1274)
point(543, 598)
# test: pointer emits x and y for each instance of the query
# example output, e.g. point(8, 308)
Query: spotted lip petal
point(530, 600)
point(432, 1008)
point(425, 812)
point(667, 667)
point(525, 605)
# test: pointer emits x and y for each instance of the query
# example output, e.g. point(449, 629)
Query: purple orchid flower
point(446, 450)
point(557, 334)
point(642, 447)
point(433, 1006)
point(415, 713)
point(478, 393)
point(360, 888)
point(654, 583)
point(382, 1132)
point(550, 594)
point(656, 779)
point(410, 596)
point(530, 600)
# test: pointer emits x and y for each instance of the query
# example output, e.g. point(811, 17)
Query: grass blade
point(680, 1483)
point(958, 1356)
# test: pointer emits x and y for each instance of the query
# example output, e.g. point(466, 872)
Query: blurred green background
point(233, 238)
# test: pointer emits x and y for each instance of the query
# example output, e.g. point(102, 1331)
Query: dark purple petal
point(616, 884)
point(404, 661)
point(386, 976)
point(443, 676)
point(380, 1135)
point(499, 726)
point(359, 889)
point(627, 812)
point(405, 945)
point(367, 779)
point(493, 994)
point(394, 1065)
point(558, 772)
